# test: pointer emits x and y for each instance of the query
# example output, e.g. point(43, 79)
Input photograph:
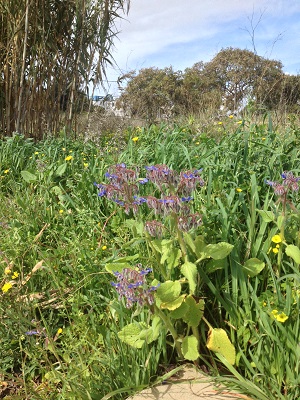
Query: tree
point(151, 93)
point(242, 74)
point(50, 52)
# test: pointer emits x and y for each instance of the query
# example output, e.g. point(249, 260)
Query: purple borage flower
point(131, 284)
point(289, 182)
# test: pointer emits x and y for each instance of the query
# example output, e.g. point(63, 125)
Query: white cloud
point(154, 29)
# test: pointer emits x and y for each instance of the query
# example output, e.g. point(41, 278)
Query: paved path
point(189, 384)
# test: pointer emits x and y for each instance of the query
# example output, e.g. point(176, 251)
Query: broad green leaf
point(189, 270)
point(172, 305)
point(156, 244)
point(180, 312)
point(56, 190)
point(130, 334)
point(267, 216)
point(199, 246)
point(190, 348)
point(219, 342)
point(151, 333)
point(214, 265)
point(117, 266)
point(219, 250)
point(61, 169)
point(253, 267)
point(293, 252)
point(168, 291)
point(172, 257)
point(189, 241)
point(194, 312)
point(28, 176)
point(166, 248)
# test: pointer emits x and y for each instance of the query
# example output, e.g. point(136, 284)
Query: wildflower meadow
point(153, 247)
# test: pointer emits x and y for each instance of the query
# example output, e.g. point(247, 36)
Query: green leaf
point(267, 216)
point(219, 342)
point(61, 169)
point(131, 333)
point(180, 311)
point(293, 252)
point(168, 291)
point(189, 241)
point(253, 267)
point(189, 270)
point(172, 305)
point(28, 176)
point(190, 348)
point(218, 251)
point(194, 313)
point(214, 265)
point(199, 246)
point(117, 267)
point(56, 190)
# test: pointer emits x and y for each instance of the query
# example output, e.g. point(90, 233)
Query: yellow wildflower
point(276, 239)
point(220, 123)
point(6, 171)
point(85, 165)
point(282, 317)
point(61, 211)
point(36, 152)
point(6, 287)
point(239, 122)
point(68, 158)
point(230, 116)
point(59, 331)
point(104, 247)
point(239, 190)
point(63, 149)
point(7, 271)
point(15, 275)
point(263, 138)
point(275, 250)
point(135, 139)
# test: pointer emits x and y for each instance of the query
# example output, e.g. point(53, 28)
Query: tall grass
point(57, 236)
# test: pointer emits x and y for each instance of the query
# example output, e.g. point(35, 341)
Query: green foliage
point(236, 274)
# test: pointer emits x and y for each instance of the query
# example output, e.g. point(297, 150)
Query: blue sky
point(177, 33)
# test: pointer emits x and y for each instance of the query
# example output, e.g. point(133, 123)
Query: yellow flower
point(68, 158)
point(59, 331)
point(104, 247)
point(275, 250)
point(7, 271)
point(61, 211)
point(240, 122)
point(85, 165)
point(63, 149)
point(15, 275)
point(135, 139)
point(282, 317)
point(263, 138)
point(71, 151)
point(276, 239)
point(197, 143)
point(36, 152)
point(220, 123)
point(239, 190)
point(230, 116)
point(6, 287)
point(6, 171)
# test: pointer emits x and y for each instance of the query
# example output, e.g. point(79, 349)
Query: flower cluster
point(176, 190)
point(131, 284)
point(289, 182)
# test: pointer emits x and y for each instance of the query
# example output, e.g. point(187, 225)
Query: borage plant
point(176, 252)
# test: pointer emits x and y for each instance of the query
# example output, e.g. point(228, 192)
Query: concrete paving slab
point(189, 384)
